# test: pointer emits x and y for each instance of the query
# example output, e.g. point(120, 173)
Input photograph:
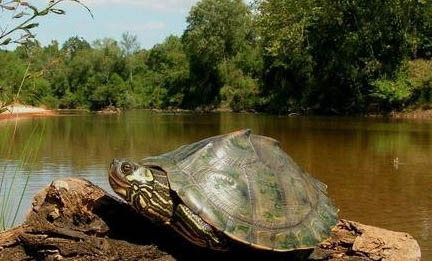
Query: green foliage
point(19, 31)
point(327, 55)
point(80, 75)
point(217, 31)
point(392, 94)
point(420, 77)
point(281, 56)
point(12, 71)
point(34, 91)
point(170, 65)
point(420, 72)
point(239, 92)
point(50, 102)
point(412, 86)
point(75, 44)
point(113, 93)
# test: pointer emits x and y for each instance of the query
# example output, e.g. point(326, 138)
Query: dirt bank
point(19, 111)
point(72, 219)
point(414, 114)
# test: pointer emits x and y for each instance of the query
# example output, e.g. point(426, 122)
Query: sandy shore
point(19, 111)
point(414, 114)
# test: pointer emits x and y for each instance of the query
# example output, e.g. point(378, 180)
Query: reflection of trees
point(86, 139)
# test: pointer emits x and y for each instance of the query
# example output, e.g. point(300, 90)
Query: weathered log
point(72, 219)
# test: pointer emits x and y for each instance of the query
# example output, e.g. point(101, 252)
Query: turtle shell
point(247, 187)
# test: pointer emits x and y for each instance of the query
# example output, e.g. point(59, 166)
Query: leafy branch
point(20, 9)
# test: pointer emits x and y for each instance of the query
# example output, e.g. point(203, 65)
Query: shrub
point(50, 102)
point(240, 91)
point(420, 77)
point(392, 94)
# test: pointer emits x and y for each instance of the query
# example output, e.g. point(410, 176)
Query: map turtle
point(238, 187)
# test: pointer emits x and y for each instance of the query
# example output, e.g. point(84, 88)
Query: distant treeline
point(310, 56)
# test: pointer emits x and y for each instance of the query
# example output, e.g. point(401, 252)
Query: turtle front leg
point(196, 230)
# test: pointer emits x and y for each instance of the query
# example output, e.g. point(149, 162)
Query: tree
point(170, 65)
point(113, 93)
point(217, 30)
point(72, 45)
point(129, 43)
point(326, 55)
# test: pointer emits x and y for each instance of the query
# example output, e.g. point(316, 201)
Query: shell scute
point(286, 241)
point(240, 231)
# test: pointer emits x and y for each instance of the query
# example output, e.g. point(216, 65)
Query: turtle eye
point(126, 168)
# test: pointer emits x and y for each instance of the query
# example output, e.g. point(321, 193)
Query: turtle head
point(127, 176)
point(144, 187)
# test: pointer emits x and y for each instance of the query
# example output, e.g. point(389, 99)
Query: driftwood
point(72, 219)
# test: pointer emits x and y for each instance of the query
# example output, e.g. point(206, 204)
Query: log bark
point(72, 219)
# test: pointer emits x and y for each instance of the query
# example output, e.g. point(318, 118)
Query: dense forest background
point(279, 56)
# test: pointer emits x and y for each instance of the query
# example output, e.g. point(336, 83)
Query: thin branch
point(30, 19)
point(37, 13)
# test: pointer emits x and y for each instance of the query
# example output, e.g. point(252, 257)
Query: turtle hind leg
point(196, 230)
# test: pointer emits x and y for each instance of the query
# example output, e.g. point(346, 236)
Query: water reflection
point(354, 156)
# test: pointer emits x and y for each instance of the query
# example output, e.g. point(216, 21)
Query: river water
point(379, 171)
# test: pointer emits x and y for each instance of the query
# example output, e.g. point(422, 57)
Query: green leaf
point(44, 12)
point(28, 36)
point(58, 11)
point(10, 8)
point(3, 110)
point(30, 26)
point(20, 15)
point(6, 42)
point(22, 42)
point(26, 30)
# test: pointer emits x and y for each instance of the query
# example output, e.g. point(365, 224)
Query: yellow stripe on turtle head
point(142, 175)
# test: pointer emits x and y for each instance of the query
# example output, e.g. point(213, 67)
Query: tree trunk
point(72, 219)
